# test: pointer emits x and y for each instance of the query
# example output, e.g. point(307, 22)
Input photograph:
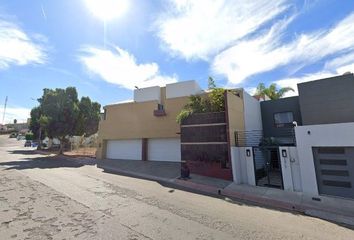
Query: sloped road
point(42, 197)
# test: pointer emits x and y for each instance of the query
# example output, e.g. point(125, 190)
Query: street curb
point(207, 189)
point(264, 201)
point(236, 196)
point(134, 174)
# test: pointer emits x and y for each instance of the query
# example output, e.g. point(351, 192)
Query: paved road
point(45, 198)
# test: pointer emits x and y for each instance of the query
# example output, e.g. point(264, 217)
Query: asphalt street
point(43, 197)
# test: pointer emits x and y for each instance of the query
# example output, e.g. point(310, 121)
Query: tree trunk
point(39, 138)
point(61, 149)
point(50, 143)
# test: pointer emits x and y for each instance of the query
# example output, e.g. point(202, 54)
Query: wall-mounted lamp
point(284, 153)
point(248, 152)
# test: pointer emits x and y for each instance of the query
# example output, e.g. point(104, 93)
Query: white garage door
point(164, 149)
point(124, 149)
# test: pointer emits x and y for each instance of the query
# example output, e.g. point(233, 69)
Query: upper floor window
point(283, 119)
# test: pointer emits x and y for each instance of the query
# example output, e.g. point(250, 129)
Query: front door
point(267, 167)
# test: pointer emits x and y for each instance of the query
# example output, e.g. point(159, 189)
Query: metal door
point(335, 170)
point(267, 167)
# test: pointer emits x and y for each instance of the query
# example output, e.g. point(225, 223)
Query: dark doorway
point(267, 167)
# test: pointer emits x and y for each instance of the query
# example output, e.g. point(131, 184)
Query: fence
point(83, 146)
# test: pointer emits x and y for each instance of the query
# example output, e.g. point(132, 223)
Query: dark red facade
point(205, 145)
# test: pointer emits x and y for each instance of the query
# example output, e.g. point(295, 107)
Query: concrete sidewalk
point(153, 170)
point(328, 208)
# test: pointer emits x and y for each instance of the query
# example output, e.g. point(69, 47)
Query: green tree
point(29, 136)
point(213, 101)
point(89, 116)
point(15, 121)
point(273, 92)
point(211, 83)
point(61, 114)
point(60, 107)
point(34, 123)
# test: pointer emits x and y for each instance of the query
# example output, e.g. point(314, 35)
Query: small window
point(283, 119)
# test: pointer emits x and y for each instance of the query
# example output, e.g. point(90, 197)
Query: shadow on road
point(42, 162)
point(23, 152)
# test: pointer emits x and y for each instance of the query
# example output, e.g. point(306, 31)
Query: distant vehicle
point(13, 135)
point(28, 143)
point(34, 144)
point(21, 137)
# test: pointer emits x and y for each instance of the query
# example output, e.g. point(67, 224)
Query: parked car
point(35, 144)
point(21, 137)
point(28, 143)
point(13, 135)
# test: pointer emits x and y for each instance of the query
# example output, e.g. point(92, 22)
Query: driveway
point(43, 197)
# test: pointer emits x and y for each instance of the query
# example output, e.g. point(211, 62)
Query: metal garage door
point(164, 149)
point(124, 149)
point(335, 170)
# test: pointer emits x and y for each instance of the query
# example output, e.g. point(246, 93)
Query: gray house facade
point(278, 117)
point(327, 101)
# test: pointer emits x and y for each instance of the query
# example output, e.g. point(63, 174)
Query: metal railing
point(253, 138)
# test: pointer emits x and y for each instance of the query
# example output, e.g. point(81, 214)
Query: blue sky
point(60, 43)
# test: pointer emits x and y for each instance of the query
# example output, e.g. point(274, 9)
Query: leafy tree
point(61, 114)
point(61, 111)
point(211, 83)
point(34, 123)
point(213, 101)
point(217, 100)
point(89, 116)
point(29, 136)
point(272, 91)
point(15, 121)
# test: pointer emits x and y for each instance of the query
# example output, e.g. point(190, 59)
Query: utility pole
point(3, 116)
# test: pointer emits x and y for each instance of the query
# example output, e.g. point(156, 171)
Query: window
point(283, 119)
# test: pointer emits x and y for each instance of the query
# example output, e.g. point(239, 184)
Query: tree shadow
point(24, 152)
point(42, 163)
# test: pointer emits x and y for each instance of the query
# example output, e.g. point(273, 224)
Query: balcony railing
point(283, 137)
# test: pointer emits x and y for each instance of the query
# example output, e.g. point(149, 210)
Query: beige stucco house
point(146, 128)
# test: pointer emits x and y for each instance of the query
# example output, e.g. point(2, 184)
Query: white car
point(21, 137)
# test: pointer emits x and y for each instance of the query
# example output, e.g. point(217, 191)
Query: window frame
point(281, 125)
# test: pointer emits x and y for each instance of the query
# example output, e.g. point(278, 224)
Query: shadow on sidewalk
point(42, 163)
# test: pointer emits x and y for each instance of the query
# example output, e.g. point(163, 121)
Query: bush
point(212, 102)
point(217, 100)
point(29, 136)
point(183, 115)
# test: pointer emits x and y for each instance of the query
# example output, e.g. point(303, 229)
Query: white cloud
point(121, 68)
point(346, 68)
point(266, 52)
point(12, 112)
point(18, 48)
point(197, 29)
point(292, 82)
point(340, 61)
